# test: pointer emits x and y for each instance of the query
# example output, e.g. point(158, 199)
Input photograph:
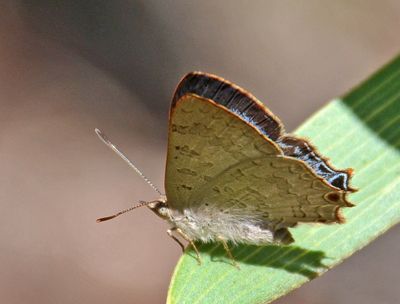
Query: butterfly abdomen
point(209, 227)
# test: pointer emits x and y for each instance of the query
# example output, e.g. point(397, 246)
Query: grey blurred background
point(67, 67)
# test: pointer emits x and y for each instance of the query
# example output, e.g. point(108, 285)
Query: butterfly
point(234, 175)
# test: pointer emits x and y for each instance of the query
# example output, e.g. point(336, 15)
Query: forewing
point(205, 140)
point(240, 102)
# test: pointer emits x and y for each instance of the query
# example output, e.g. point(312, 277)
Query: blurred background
point(67, 67)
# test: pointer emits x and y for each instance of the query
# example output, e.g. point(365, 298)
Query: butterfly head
point(160, 207)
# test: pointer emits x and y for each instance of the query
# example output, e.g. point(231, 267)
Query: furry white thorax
point(207, 227)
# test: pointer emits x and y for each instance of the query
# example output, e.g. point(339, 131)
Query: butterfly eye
point(163, 210)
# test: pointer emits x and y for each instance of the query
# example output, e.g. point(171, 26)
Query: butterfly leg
point(182, 234)
point(169, 232)
point(226, 247)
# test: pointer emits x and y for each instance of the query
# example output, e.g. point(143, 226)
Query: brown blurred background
point(67, 67)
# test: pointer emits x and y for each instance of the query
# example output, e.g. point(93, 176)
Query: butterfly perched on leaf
point(234, 175)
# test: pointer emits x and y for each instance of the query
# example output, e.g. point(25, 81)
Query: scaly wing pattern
point(216, 158)
point(204, 140)
point(240, 102)
point(277, 190)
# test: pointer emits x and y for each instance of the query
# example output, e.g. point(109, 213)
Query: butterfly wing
point(218, 159)
point(240, 102)
point(276, 190)
point(205, 140)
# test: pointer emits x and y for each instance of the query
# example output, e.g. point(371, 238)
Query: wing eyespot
point(333, 196)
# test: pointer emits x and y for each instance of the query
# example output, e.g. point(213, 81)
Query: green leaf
point(361, 131)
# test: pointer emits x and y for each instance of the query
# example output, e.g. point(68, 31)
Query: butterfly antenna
point(106, 218)
point(105, 140)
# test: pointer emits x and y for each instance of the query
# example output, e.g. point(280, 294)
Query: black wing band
point(232, 97)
